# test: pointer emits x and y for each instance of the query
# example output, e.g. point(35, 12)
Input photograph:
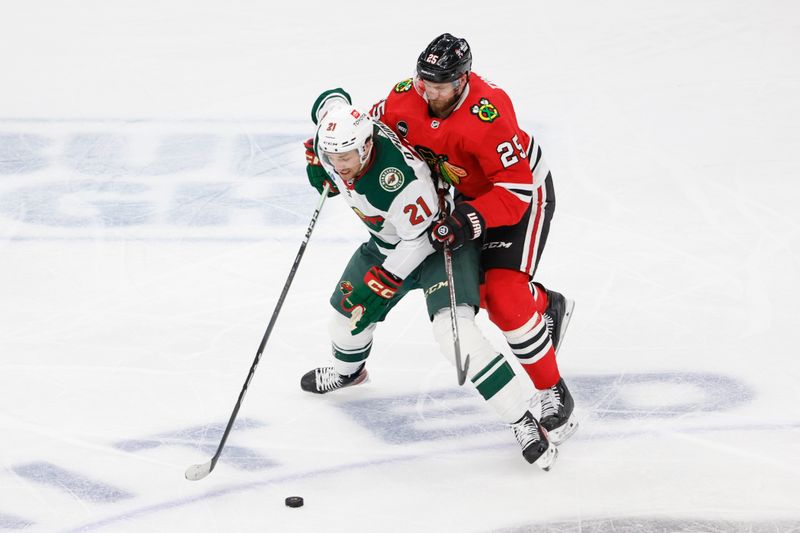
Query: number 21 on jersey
point(413, 215)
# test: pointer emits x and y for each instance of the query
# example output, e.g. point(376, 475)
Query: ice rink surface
point(153, 198)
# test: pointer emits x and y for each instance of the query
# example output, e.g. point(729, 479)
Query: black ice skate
point(326, 379)
point(536, 448)
point(557, 417)
point(557, 315)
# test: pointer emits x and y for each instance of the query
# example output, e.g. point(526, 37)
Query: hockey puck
point(294, 501)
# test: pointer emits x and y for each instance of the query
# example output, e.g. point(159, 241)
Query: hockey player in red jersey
point(466, 130)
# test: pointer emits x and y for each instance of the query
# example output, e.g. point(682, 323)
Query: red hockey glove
point(316, 174)
point(463, 224)
point(368, 301)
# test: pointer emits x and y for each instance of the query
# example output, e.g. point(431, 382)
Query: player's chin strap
point(461, 372)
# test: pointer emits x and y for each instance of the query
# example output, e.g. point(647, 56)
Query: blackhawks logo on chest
point(440, 166)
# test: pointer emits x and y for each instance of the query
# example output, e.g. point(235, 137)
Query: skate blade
point(570, 307)
point(548, 458)
point(360, 381)
point(560, 434)
point(364, 380)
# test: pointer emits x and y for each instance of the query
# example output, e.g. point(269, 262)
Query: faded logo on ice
point(148, 180)
point(614, 399)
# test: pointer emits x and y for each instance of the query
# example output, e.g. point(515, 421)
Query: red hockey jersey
point(479, 148)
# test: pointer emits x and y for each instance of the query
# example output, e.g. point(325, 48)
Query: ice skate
point(557, 412)
point(326, 379)
point(557, 315)
point(536, 448)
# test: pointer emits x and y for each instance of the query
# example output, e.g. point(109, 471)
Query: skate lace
point(551, 401)
point(525, 432)
point(328, 379)
point(549, 324)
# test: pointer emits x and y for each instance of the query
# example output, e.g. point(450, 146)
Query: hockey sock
point(514, 309)
point(349, 361)
point(488, 371)
point(532, 345)
point(350, 352)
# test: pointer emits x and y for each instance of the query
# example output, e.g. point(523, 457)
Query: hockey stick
point(461, 372)
point(196, 472)
point(448, 268)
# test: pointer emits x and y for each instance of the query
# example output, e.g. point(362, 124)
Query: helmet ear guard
point(344, 129)
point(445, 59)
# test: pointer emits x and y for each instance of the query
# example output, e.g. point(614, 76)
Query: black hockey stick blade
point(197, 472)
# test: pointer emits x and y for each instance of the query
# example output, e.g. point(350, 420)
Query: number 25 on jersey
point(507, 154)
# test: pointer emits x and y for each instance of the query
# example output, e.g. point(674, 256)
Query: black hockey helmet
point(444, 59)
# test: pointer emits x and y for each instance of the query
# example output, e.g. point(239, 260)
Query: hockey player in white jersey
point(391, 190)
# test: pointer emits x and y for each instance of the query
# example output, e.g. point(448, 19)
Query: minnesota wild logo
point(440, 166)
point(486, 111)
point(404, 86)
point(346, 287)
point(375, 223)
point(391, 179)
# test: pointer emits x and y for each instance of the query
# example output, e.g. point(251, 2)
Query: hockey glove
point(463, 224)
point(316, 174)
point(368, 300)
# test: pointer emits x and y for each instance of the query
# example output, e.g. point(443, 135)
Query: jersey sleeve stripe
point(533, 145)
point(538, 157)
point(523, 191)
point(520, 192)
point(520, 186)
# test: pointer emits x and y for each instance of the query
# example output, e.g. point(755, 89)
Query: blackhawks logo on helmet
point(485, 110)
point(404, 86)
point(440, 166)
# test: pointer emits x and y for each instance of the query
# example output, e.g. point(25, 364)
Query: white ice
point(153, 198)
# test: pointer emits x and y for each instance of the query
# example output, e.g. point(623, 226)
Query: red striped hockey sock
point(514, 309)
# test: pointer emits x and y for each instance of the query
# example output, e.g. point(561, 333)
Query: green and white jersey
point(395, 198)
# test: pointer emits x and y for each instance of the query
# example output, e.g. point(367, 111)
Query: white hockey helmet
point(343, 129)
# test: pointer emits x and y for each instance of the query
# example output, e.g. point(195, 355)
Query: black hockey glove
point(316, 174)
point(463, 224)
point(368, 301)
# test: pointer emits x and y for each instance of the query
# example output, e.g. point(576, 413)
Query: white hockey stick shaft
point(461, 372)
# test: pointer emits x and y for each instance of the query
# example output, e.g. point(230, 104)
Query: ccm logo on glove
point(381, 282)
point(368, 301)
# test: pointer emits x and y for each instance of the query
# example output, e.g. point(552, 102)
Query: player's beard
point(441, 108)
